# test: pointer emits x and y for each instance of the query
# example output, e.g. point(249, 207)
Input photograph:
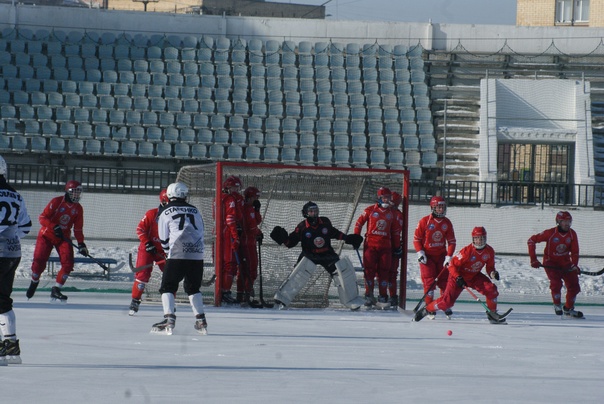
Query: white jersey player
point(181, 229)
point(14, 224)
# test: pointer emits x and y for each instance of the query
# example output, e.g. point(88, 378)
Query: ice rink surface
point(90, 351)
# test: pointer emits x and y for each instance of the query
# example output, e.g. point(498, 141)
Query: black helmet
point(310, 211)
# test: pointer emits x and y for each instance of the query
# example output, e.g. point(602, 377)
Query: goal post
point(341, 194)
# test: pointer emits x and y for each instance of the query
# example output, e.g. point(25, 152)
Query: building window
point(572, 11)
point(534, 173)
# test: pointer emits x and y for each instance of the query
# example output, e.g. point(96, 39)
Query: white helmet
point(177, 190)
point(2, 166)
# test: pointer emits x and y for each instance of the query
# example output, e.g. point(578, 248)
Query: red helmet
point(74, 190)
point(251, 192)
point(396, 199)
point(384, 197)
point(479, 237)
point(384, 191)
point(437, 201)
point(163, 197)
point(563, 215)
point(231, 182)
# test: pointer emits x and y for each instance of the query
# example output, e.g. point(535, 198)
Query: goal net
point(340, 193)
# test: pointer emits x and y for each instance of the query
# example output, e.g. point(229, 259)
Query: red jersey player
point(149, 252)
point(382, 240)
point(434, 242)
point(465, 271)
point(560, 260)
point(392, 284)
point(248, 254)
point(56, 220)
point(232, 203)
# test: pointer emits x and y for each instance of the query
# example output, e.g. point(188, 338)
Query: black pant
point(8, 266)
point(327, 260)
point(176, 270)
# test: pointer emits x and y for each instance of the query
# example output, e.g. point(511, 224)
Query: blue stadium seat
point(272, 139)
point(271, 154)
point(128, 148)
point(5, 141)
point(324, 156)
point(93, 147)
point(146, 149)
point(255, 137)
point(252, 153)
point(136, 133)
point(182, 151)
point(20, 144)
point(216, 152)
point(153, 134)
point(187, 135)
point(38, 144)
point(119, 133)
point(306, 156)
point(288, 156)
point(163, 150)
point(111, 147)
point(102, 132)
point(378, 158)
point(412, 157)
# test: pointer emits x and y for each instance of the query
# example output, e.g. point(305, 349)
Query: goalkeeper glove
point(58, 231)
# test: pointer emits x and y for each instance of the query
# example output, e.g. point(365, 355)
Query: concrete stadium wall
point(473, 38)
point(115, 217)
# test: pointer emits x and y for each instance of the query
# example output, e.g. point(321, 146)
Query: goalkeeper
point(315, 234)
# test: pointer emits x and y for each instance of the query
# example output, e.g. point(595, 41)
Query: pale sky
point(440, 11)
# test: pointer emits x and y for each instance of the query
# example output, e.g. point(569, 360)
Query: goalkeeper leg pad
point(345, 278)
point(295, 281)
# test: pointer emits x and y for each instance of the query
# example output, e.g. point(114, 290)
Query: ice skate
point(419, 316)
point(228, 298)
point(57, 296)
point(32, 289)
point(572, 313)
point(383, 303)
point(3, 359)
point(166, 326)
point(431, 315)
point(370, 301)
point(393, 302)
point(558, 309)
point(449, 313)
point(201, 325)
point(11, 352)
point(494, 320)
point(279, 305)
point(134, 306)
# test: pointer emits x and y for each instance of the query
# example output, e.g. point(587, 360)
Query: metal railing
point(95, 179)
point(503, 193)
point(118, 179)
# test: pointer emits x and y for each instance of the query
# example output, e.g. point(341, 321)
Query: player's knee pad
point(345, 279)
point(298, 278)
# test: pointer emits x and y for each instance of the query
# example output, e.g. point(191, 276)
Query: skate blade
point(13, 359)
point(431, 316)
point(58, 301)
point(164, 331)
point(131, 313)
point(382, 306)
point(203, 331)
